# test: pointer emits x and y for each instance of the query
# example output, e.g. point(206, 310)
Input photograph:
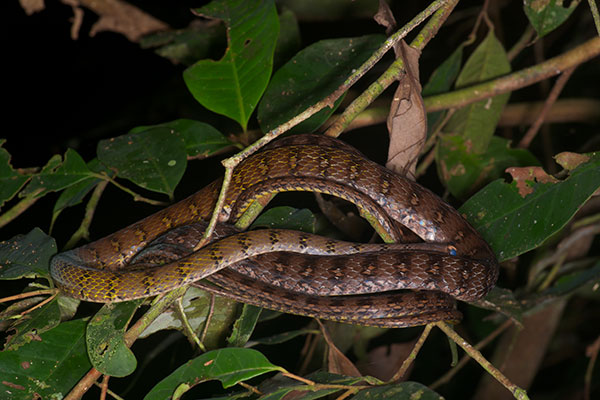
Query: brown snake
point(293, 271)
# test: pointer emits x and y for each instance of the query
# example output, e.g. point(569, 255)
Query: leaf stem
point(550, 100)
point(19, 208)
point(136, 196)
point(187, 328)
point(90, 209)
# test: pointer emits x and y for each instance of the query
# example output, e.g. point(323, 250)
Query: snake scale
point(294, 271)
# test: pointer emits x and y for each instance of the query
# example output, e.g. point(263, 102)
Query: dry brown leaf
point(32, 6)
point(532, 174)
point(337, 362)
point(407, 122)
point(385, 17)
point(116, 16)
point(570, 161)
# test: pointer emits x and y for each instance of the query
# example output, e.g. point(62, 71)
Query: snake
point(397, 285)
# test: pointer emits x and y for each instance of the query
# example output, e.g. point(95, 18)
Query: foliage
point(541, 221)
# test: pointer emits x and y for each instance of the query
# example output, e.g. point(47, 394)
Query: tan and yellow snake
point(294, 271)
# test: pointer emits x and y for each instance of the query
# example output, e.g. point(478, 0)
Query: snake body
point(97, 271)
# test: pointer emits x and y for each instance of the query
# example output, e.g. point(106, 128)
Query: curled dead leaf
point(407, 122)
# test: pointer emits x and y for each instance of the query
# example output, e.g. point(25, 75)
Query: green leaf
point(233, 85)
point(46, 368)
point(547, 15)
point(188, 45)
point(11, 181)
point(465, 171)
point(154, 159)
point(26, 256)
point(58, 175)
point(104, 338)
point(230, 366)
point(564, 286)
point(201, 140)
point(288, 42)
point(503, 301)
point(445, 74)
point(310, 76)
point(286, 217)
point(74, 194)
point(514, 224)
point(476, 122)
point(244, 326)
point(31, 325)
point(441, 81)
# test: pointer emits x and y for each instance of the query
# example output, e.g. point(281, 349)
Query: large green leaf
point(59, 174)
point(26, 256)
point(441, 81)
point(513, 223)
point(547, 15)
point(465, 171)
point(230, 366)
point(201, 139)
point(28, 326)
point(46, 368)
point(310, 76)
point(11, 181)
point(477, 122)
point(233, 85)
point(104, 338)
point(154, 159)
point(75, 193)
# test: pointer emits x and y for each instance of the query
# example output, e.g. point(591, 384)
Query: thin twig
point(592, 352)
point(595, 14)
point(465, 359)
point(524, 41)
point(413, 354)
point(41, 303)
point(515, 80)
point(136, 196)
point(517, 392)
point(27, 294)
point(187, 327)
point(551, 99)
point(250, 388)
point(83, 231)
point(211, 312)
point(19, 208)
point(104, 387)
